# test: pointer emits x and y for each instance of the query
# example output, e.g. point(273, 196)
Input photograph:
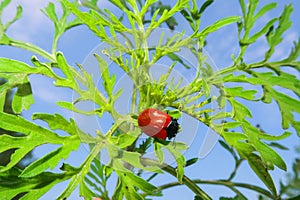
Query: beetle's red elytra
point(158, 124)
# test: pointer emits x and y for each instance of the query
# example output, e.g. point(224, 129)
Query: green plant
point(136, 58)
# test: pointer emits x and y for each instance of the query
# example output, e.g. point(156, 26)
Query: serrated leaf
point(51, 159)
point(19, 124)
point(85, 191)
point(13, 185)
point(274, 37)
point(57, 121)
point(22, 144)
point(126, 186)
point(268, 155)
point(287, 106)
point(221, 100)
point(285, 80)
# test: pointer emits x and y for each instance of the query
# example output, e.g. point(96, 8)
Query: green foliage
point(135, 57)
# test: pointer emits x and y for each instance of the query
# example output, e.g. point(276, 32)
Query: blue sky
point(35, 28)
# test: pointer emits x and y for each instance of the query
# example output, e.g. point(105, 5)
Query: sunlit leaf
point(261, 171)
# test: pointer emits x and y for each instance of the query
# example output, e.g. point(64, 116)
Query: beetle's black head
point(172, 129)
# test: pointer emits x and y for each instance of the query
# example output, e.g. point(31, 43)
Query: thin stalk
point(185, 180)
point(228, 184)
point(32, 48)
point(237, 164)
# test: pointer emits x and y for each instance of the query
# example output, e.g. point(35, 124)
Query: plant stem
point(237, 164)
point(32, 48)
point(228, 184)
point(185, 180)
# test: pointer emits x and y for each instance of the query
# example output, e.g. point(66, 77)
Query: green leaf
point(191, 162)
point(51, 159)
point(287, 106)
point(23, 97)
point(206, 88)
point(51, 13)
point(13, 66)
point(278, 145)
point(158, 152)
point(63, 65)
point(274, 37)
point(240, 92)
point(270, 156)
point(19, 124)
point(123, 140)
point(178, 157)
point(234, 138)
point(140, 183)
point(70, 106)
point(262, 31)
point(85, 191)
point(11, 184)
point(57, 121)
point(126, 185)
point(119, 156)
point(175, 57)
point(239, 111)
point(23, 146)
point(269, 137)
point(261, 171)
point(4, 4)
point(204, 6)
point(228, 148)
point(108, 80)
point(264, 10)
point(285, 80)
point(217, 25)
point(221, 115)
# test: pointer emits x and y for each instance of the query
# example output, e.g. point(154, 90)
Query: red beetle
point(158, 124)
